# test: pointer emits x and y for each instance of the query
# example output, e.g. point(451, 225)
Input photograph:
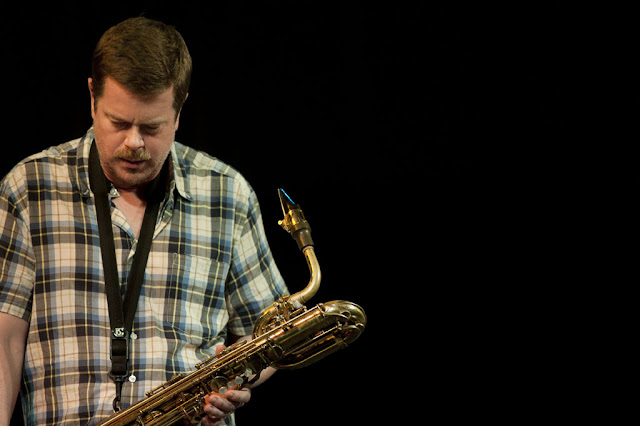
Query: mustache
point(127, 154)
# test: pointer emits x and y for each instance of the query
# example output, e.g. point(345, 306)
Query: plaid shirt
point(210, 271)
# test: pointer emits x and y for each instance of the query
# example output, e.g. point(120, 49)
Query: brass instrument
point(286, 336)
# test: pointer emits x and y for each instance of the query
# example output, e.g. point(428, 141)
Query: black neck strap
point(121, 316)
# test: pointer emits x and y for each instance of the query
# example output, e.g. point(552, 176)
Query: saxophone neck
point(314, 282)
point(295, 224)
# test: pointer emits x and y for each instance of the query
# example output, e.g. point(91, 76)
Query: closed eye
point(151, 129)
point(121, 125)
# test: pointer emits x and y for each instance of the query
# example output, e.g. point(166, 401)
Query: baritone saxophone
point(286, 336)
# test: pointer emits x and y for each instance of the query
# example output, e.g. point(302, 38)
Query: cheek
point(108, 141)
point(159, 148)
point(163, 151)
point(162, 144)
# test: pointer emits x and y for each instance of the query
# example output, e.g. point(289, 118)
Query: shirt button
point(132, 378)
point(133, 336)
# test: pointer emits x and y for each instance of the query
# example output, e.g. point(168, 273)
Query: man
point(209, 271)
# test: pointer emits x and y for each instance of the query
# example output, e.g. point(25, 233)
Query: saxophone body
point(286, 336)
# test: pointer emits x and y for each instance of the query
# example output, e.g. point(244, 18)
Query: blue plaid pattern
point(210, 272)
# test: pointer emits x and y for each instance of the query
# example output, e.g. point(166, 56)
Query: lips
point(131, 164)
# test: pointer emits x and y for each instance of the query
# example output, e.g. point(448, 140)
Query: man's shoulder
point(59, 155)
point(53, 154)
point(199, 164)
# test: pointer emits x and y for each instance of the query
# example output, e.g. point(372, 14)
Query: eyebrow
point(154, 122)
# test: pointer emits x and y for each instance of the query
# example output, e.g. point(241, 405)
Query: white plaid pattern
point(209, 272)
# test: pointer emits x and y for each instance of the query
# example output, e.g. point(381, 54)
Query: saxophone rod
point(295, 224)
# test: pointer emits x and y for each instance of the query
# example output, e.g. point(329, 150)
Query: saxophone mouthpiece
point(294, 222)
point(286, 202)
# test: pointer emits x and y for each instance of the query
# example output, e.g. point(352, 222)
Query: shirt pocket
point(195, 299)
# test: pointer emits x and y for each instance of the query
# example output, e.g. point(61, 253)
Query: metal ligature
point(286, 336)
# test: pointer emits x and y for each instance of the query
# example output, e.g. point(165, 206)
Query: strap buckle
point(119, 361)
point(119, 354)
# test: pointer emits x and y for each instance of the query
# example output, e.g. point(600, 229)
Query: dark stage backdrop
point(405, 134)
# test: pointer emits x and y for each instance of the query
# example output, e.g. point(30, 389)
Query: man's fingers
point(208, 421)
point(214, 411)
point(218, 407)
point(239, 397)
point(220, 404)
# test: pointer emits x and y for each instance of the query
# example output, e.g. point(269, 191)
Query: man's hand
point(219, 407)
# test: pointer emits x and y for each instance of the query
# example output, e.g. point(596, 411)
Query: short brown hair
point(146, 57)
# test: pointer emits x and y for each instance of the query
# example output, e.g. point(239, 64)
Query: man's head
point(140, 79)
point(146, 57)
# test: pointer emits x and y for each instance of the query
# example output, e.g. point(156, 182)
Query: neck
point(133, 206)
point(133, 196)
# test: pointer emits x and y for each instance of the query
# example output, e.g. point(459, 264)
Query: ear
point(93, 100)
point(175, 129)
point(177, 123)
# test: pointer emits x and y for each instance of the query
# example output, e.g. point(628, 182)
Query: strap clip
point(119, 354)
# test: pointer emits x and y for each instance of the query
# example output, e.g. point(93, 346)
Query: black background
point(413, 136)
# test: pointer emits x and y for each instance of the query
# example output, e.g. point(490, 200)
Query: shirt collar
point(180, 179)
point(179, 174)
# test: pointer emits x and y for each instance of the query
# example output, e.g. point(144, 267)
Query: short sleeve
point(17, 260)
point(254, 282)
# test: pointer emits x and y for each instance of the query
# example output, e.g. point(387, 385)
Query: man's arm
point(13, 336)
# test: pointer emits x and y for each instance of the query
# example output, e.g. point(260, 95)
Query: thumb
point(219, 349)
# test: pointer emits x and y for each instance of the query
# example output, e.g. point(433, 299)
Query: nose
point(134, 140)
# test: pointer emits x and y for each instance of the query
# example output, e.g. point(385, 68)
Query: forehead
point(118, 103)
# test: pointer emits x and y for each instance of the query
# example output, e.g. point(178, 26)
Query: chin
point(127, 179)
